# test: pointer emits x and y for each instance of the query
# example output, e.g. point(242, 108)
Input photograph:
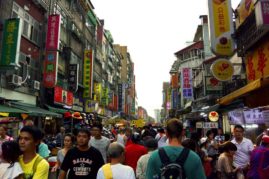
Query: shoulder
point(43, 163)
point(193, 156)
point(248, 141)
point(94, 150)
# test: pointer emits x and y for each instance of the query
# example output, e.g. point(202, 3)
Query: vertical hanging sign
point(88, 73)
point(11, 42)
point(186, 83)
point(120, 97)
point(53, 33)
point(73, 77)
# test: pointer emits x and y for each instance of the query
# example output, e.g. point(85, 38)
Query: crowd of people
point(150, 153)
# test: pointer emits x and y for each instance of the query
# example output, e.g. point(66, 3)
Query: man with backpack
point(174, 161)
point(32, 164)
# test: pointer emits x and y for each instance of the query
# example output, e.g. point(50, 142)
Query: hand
point(54, 169)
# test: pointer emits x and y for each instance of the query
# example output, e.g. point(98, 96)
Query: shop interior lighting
point(206, 107)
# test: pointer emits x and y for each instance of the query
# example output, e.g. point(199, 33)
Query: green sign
point(11, 42)
point(104, 100)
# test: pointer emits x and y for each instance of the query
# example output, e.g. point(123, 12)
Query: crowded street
point(145, 89)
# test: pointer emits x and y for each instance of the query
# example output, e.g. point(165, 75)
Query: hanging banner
point(120, 97)
point(244, 10)
point(254, 116)
point(186, 83)
point(221, 27)
point(11, 42)
point(50, 69)
point(236, 117)
point(63, 97)
point(53, 32)
point(73, 77)
point(90, 106)
point(222, 70)
point(88, 73)
point(97, 92)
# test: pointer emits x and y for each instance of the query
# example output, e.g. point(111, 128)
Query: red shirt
point(133, 153)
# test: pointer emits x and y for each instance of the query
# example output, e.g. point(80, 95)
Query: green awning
point(92, 17)
point(35, 111)
point(8, 109)
point(57, 110)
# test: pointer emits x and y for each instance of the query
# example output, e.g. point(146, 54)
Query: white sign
point(254, 116)
point(236, 117)
point(210, 125)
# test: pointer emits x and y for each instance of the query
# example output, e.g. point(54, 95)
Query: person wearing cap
point(151, 145)
point(259, 161)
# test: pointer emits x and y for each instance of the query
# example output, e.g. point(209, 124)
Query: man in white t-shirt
point(115, 169)
point(244, 148)
point(98, 141)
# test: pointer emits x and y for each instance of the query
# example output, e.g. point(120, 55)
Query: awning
point(57, 110)
point(7, 109)
point(252, 86)
point(35, 111)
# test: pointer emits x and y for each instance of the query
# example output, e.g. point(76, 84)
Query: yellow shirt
point(42, 169)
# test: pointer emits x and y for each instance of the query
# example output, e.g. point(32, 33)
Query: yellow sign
point(97, 91)
point(221, 27)
point(213, 116)
point(138, 123)
point(88, 73)
point(222, 70)
point(243, 10)
point(257, 62)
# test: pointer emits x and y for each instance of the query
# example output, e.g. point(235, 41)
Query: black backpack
point(173, 170)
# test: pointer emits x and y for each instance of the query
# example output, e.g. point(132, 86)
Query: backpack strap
point(182, 157)
point(107, 171)
point(163, 156)
point(37, 161)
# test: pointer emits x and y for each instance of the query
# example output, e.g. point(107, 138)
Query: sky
point(153, 30)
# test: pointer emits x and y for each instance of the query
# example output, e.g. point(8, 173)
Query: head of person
point(151, 144)
point(29, 138)
point(29, 122)
point(3, 131)
point(220, 131)
point(62, 130)
point(83, 137)
point(11, 151)
point(160, 130)
point(228, 147)
point(116, 151)
point(128, 132)
point(135, 138)
point(265, 141)
point(203, 142)
point(238, 132)
point(210, 135)
point(190, 144)
point(96, 130)
point(68, 140)
point(174, 129)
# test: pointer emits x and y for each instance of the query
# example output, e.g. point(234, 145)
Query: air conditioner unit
point(36, 85)
point(16, 80)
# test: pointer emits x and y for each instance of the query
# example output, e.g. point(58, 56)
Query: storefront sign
point(221, 27)
point(97, 92)
point(88, 73)
point(90, 106)
point(63, 97)
point(236, 117)
point(120, 97)
point(222, 70)
point(11, 42)
point(175, 98)
point(210, 125)
point(53, 32)
point(199, 125)
point(257, 62)
point(244, 9)
point(262, 14)
point(213, 116)
point(212, 84)
point(186, 83)
point(73, 77)
point(104, 100)
point(254, 116)
point(174, 80)
point(50, 69)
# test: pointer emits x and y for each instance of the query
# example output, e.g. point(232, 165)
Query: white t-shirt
point(119, 171)
point(162, 140)
point(7, 172)
point(101, 145)
point(120, 139)
point(242, 155)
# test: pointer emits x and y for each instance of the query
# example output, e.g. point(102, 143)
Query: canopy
point(7, 109)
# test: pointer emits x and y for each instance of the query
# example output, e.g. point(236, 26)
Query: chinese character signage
point(222, 70)
point(62, 97)
point(73, 77)
point(104, 100)
point(11, 42)
point(90, 106)
point(257, 62)
point(53, 33)
point(120, 97)
point(174, 98)
point(186, 83)
point(254, 116)
point(97, 91)
point(212, 84)
point(236, 117)
point(262, 14)
point(88, 73)
point(221, 27)
point(50, 69)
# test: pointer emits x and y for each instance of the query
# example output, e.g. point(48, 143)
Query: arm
point(139, 169)
point(152, 168)
point(62, 175)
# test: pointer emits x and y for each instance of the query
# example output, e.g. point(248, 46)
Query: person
point(220, 138)
point(32, 164)
point(244, 149)
point(151, 145)
point(82, 161)
point(225, 161)
point(190, 144)
point(60, 137)
point(206, 160)
point(128, 135)
point(134, 151)
point(68, 144)
point(98, 141)
point(259, 160)
point(3, 137)
point(161, 138)
point(29, 122)
point(10, 167)
point(115, 169)
point(43, 149)
point(259, 138)
point(120, 137)
point(212, 145)
point(173, 150)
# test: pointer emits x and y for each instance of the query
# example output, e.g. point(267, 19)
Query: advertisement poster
point(186, 83)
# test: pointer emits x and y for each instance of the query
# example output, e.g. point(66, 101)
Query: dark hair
point(227, 146)
point(71, 136)
point(208, 133)
point(4, 127)
point(239, 127)
point(33, 131)
point(11, 152)
point(151, 144)
point(174, 128)
point(135, 138)
point(190, 144)
point(161, 130)
point(85, 131)
point(98, 125)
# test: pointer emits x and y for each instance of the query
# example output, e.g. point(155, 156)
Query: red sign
point(53, 33)
point(50, 69)
point(63, 97)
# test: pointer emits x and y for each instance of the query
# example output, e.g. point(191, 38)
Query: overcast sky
point(153, 30)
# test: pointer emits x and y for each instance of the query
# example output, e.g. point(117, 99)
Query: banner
point(63, 97)
point(254, 116)
point(104, 99)
point(221, 27)
point(50, 69)
point(244, 10)
point(11, 42)
point(120, 97)
point(88, 73)
point(53, 32)
point(186, 83)
point(73, 77)
point(97, 92)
